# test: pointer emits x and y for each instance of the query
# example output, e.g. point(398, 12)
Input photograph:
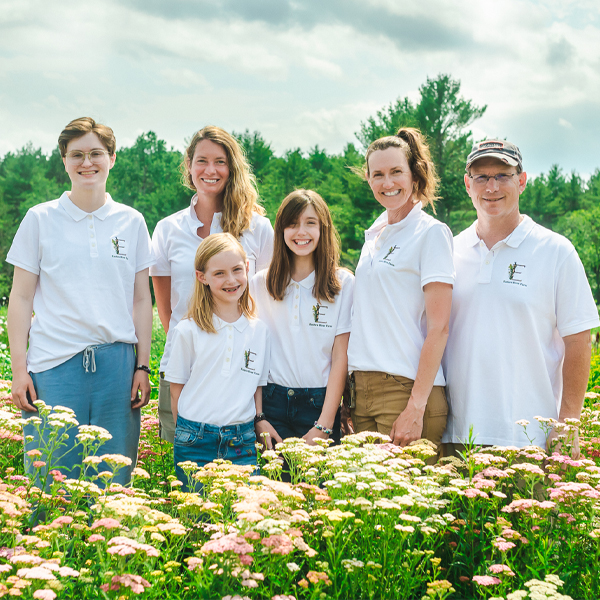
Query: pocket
point(403, 383)
point(437, 405)
point(184, 436)
point(243, 446)
point(316, 399)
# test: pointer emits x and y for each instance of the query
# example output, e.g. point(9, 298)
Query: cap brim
point(505, 159)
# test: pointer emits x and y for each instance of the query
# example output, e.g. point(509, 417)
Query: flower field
point(360, 520)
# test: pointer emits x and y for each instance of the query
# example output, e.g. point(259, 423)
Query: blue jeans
point(293, 411)
point(202, 443)
point(96, 384)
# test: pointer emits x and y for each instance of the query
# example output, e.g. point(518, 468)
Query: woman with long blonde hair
point(225, 200)
point(219, 361)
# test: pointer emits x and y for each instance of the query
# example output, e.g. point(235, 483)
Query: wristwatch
point(260, 417)
point(144, 368)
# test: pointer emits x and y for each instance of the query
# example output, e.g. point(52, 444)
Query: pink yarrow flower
point(486, 580)
point(502, 569)
point(44, 595)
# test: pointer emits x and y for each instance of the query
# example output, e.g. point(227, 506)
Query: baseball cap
point(501, 149)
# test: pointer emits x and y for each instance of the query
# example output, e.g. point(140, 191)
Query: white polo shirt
point(389, 325)
point(512, 306)
point(86, 263)
point(303, 330)
point(220, 371)
point(175, 241)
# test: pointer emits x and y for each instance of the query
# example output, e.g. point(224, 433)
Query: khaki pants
point(165, 416)
point(381, 398)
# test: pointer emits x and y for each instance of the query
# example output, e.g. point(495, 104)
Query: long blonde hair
point(240, 199)
point(326, 255)
point(202, 307)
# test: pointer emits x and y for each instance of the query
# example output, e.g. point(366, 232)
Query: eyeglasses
point(95, 156)
point(501, 178)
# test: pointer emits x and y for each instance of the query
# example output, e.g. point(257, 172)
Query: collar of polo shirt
point(194, 222)
point(77, 214)
point(514, 240)
point(382, 221)
point(240, 324)
point(307, 282)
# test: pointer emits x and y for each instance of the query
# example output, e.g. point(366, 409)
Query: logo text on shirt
point(119, 248)
point(515, 274)
point(391, 251)
point(318, 316)
point(247, 368)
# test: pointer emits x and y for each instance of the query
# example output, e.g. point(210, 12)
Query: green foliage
point(146, 176)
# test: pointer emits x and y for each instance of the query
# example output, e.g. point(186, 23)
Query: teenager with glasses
point(81, 267)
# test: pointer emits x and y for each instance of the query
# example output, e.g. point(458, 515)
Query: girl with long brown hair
point(219, 361)
point(305, 298)
point(225, 199)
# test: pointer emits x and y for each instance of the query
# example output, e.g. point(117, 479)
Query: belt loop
point(89, 359)
point(201, 431)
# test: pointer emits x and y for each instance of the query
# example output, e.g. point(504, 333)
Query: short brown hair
point(419, 159)
point(326, 255)
point(79, 127)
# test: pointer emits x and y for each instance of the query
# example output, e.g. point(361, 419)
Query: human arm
point(575, 372)
point(408, 427)
point(162, 294)
point(20, 311)
point(142, 321)
point(175, 393)
point(264, 426)
point(335, 388)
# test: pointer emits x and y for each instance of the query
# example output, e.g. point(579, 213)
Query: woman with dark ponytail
point(402, 298)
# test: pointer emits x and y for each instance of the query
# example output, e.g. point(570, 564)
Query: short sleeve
point(437, 264)
point(144, 254)
point(575, 307)
point(162, 267)
point(264, 376)
point(265, 250)
point(25, 249)
point(179, 368)
point(346, 297)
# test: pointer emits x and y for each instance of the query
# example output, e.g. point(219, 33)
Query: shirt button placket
point(92, 236)
point(228, 351)
point(296, 309)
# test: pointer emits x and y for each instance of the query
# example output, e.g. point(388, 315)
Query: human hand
point(140, 389)
point(408, 427)
point(314, 433)
point(268, 441)
point(22, 385)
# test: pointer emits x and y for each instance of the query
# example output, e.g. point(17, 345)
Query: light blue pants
point(96, 384)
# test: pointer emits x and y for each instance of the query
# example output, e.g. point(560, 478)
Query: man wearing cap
point(522, 310)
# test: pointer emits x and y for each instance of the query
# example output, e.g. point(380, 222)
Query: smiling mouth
point(493, 199)
point(302, 242)
point(394, 193)
point(231, 290)
point(87, 172)
point(210, 180)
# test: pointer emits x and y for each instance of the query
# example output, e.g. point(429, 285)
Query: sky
point(301, 72)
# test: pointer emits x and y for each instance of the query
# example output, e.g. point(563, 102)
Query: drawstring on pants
point(89, 359)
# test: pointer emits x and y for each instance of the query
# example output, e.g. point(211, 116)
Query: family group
point(432, 336)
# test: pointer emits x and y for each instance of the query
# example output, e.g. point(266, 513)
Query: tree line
point(146, 176)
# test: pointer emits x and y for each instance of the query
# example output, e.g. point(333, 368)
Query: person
point(81, 265)
point(305, 298)
point(219, 361)
point(402, 298)
point(225, 199)
point(519, 343)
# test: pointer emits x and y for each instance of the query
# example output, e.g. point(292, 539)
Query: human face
point(209, 168)
point(303, 236)
point(391, 181)
point(226, 274)
point(494, 200)
point(88, 174)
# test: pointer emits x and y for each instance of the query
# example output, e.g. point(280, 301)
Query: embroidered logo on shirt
point(248, 354)
point(318, 316)
point(515, 274)
point(119, 247)
point(390, 252)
